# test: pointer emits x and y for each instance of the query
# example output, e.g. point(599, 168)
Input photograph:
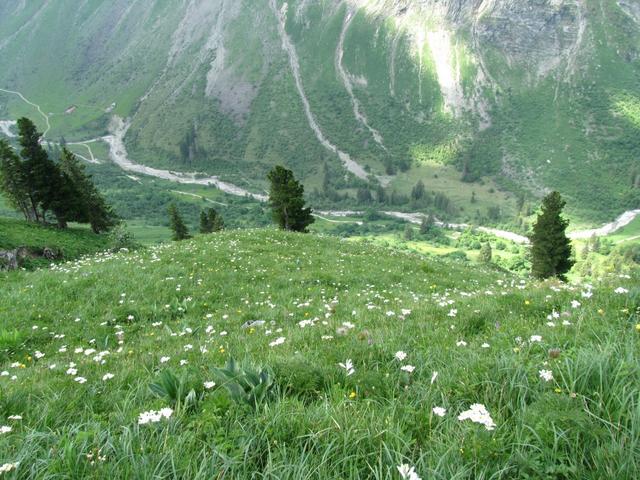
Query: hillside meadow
point(268, 355)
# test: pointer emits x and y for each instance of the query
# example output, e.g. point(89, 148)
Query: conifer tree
point(205, 227)
point(12, 181)
point(418, 191)
point(426, 225)
point(211, 221)
point(286, 197)
point(486, 253)
point(180, 230)
point(408, 233)
point(47, 187)
point(550, 248)
point(89, 205)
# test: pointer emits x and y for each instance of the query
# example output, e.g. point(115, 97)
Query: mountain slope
point(82, 344)
point(536, 94)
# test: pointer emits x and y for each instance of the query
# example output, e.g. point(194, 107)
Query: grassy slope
point(72, 243)
point(320, 423)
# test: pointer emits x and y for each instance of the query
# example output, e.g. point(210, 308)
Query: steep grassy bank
point(82, 344)
point(69, 244)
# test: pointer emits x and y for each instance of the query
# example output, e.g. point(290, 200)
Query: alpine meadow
point(320, 239)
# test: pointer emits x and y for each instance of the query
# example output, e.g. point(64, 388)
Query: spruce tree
point(418, 191)
point(205, 226)
point(550, 248)
point(180, 230)
point(12, 181)
point(408, 233)
point(89, 205)
point(216, 220)
point(486, 253)
point(211, 221)
point(426, 225)
point(47, 187)
point(286, 198)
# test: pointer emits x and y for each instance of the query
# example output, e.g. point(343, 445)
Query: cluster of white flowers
point(400, 355)
point(5, 429)
point(546, 375)
point(209, 385)
point(277, 341)
point(439, 411)
point(154, 417)
point(7, 467)
point(478, 413)
point(408, 472)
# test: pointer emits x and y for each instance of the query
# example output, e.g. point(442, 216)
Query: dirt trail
point(200, 197)
point(37, 107)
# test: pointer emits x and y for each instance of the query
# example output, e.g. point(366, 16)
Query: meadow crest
point(353, 361)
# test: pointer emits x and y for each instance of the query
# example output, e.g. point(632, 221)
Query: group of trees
point(210, 221)
point(41, 188)
point(286, 198)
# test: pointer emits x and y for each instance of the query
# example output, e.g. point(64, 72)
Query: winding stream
point(118, 154)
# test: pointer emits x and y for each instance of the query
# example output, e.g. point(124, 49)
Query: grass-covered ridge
point(81, 345)
point(68, 244)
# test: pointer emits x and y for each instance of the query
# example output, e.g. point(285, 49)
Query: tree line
point(43, 189)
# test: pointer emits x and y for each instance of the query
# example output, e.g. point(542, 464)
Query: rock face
point(528, 87)
point(12, 259)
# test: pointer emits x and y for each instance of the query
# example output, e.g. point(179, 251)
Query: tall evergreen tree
point(89, 206)
point(211, 221)
point(286, 197)
point(486, 253)
point(47, 187)
point(13, 183)
point(418, 191)
point(408, 232)
point(427, 224)
point(550, 248)
point(180, 230)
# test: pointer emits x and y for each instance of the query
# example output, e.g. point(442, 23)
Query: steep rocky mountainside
point(537, 94)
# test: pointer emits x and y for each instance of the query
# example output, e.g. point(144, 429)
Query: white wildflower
point(348, 366)
point(546, 375)
point(407, 472)
point(277, 341)
point(478, 413)
point(400, 355)
point(439, 411)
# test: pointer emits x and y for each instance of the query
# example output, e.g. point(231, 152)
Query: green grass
point(188, 302)
point(71, 243)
